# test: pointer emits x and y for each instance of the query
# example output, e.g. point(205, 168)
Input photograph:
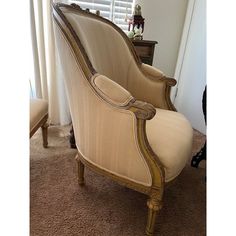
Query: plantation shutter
point(117, 11)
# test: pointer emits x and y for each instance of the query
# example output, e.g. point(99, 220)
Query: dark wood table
point(145, 50)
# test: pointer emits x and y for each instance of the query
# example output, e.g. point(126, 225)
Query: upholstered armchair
point(124, 123)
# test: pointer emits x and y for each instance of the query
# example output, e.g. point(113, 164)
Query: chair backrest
point(105, 134)
point(105, 45)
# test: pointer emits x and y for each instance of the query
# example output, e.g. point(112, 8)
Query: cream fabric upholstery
point(105, 135)
point(107, 52)
point(146, 88)
point(112, 91)
point(151, 71)
point(38, 110)
point(110, 56)
point(170, 135)
point(103, 79)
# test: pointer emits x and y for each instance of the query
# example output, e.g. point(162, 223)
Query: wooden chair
point(125, 125)
point(38, 118)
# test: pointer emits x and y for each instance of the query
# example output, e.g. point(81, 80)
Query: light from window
point(117, 11)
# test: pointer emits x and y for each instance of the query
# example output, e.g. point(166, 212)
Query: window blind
point(117, 11)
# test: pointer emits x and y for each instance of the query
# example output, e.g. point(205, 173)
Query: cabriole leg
point(153, 207)
point(80, 172)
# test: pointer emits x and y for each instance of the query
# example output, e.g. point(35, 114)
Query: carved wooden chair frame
point(142, 110)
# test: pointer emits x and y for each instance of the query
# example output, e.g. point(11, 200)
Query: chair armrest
point(152, 86)
point(111, 91)
point(155, 74)
point(164, 87)
point(143, 110)
point(123, 118)
point(118, 96)
point(131, 115)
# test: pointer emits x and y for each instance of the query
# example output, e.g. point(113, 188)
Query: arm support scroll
point(145, 111)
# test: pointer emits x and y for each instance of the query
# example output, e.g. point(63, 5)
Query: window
point(117, 11)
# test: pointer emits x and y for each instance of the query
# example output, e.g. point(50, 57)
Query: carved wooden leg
point(45, 134)
point(80, 172)
point(153, 207)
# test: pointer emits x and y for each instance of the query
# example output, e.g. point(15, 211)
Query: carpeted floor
point(59, 207)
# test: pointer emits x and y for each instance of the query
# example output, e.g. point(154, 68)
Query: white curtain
point(46, 80)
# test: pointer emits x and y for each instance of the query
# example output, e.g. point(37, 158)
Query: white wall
point(164, 20)
point(192, 66)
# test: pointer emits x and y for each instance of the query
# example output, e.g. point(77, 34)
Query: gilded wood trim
point(170, 81)
point(156, 168)
point(73, 40)
point(122, 181)
point(153, 162)
point(143, 110)
point(167, 98)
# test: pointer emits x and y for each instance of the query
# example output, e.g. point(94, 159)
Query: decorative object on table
point(137, 10)
point(130, 34)
point(137, 34)
point(136, 23)
point(98, 13)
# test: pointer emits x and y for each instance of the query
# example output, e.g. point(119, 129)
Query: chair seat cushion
point(170, 135)
point(38, 110)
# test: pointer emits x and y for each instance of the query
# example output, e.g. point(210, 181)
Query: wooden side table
point(145, 50)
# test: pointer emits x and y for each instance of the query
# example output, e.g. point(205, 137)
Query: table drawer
point(145, 50)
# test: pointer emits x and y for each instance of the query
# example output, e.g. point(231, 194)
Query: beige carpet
point(59, 207)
